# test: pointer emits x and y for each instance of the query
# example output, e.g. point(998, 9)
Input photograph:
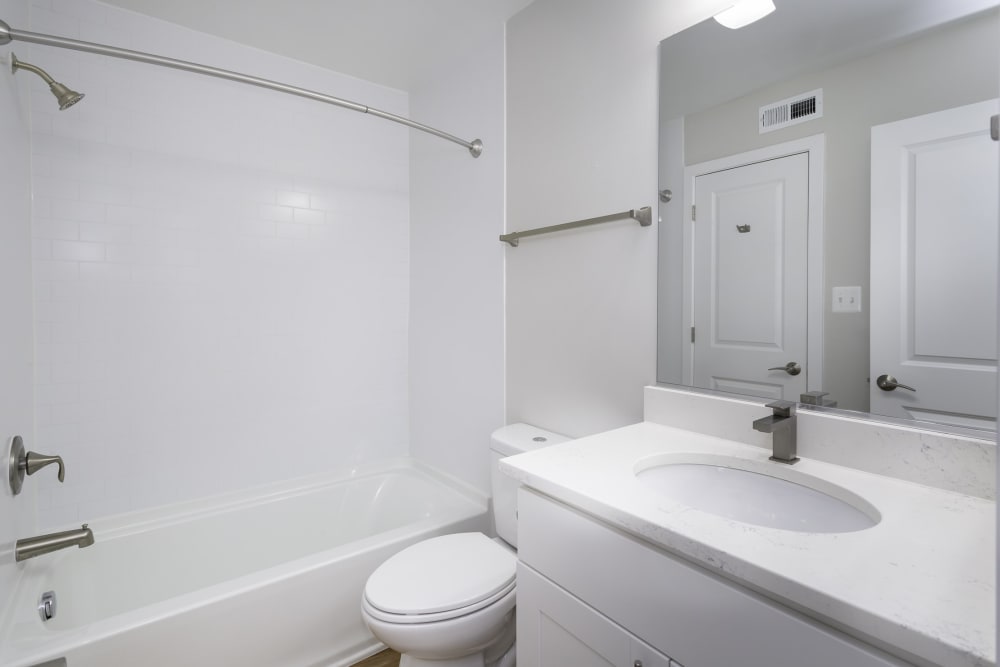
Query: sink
point(726, 487)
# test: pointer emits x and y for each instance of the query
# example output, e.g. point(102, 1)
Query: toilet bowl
point(450, 601)
point(444, 599)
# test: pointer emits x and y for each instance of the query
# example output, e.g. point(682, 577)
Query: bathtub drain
point(47, 605)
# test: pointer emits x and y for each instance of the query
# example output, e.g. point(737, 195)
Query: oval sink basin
point(759, 499)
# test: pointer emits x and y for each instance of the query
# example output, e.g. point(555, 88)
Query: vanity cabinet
point(555, 628)
point(590, 594)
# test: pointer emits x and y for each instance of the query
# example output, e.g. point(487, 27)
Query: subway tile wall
point(220, 272)
point(17, 513)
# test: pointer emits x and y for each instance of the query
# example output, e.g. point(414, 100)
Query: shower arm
point(20, 64)
point(8, 34)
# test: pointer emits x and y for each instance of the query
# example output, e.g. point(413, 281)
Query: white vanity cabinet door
point(555, 628)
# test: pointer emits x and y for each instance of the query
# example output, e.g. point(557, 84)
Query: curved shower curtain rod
point(8, 34)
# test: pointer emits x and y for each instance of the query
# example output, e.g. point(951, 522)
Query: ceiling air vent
point(792, 111)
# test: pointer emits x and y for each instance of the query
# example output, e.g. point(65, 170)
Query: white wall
point(17, 514)
point(582, 141)
point(456, 278)
point(221, 271)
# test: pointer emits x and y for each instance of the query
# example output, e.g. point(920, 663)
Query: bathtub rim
point(139, 520)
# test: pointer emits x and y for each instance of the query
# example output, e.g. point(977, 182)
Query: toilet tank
point(508, 441)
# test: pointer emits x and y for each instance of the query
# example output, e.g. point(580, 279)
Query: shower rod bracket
point(8, 34)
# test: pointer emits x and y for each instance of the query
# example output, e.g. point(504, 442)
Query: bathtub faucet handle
point(20, 463)
point(34, 462)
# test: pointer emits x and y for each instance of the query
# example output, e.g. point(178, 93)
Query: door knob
point(791, 368)
point(888, 383)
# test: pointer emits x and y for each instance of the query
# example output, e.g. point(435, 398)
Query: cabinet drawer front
point(697, 617)
point(555, 628)
point(552, 630)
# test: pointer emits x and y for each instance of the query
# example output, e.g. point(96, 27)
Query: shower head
point(64, 95)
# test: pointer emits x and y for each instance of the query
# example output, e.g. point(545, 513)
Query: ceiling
point(396, 43)
point(712, 64)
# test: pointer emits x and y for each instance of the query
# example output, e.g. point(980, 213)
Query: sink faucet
point(781, 425)
point(30, 547)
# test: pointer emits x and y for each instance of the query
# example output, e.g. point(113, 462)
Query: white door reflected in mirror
point(933, 268)
point(749, 273)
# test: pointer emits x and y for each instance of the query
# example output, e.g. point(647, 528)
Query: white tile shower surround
point(220, 272)
point(16, 344)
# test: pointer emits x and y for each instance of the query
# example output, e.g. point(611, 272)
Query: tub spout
point(30, 547)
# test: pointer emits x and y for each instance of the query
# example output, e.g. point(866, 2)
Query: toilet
point(449, 601)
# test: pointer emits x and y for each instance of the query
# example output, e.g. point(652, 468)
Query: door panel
point(749, 277)
point(560, 646)
point(554, 628)
point(934, 207)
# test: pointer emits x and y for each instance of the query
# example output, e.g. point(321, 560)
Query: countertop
point(919, 584)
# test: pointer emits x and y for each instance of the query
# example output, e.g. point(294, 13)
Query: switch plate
point(847, 299)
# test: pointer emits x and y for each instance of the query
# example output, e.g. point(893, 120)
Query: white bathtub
point(268, 578)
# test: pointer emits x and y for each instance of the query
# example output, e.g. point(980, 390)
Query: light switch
point(847, 299)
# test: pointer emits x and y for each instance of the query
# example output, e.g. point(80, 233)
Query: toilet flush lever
point(21, 464)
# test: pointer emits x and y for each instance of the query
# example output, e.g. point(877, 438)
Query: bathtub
point(271, 577)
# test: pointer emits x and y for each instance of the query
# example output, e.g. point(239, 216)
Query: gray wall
point(949, 67)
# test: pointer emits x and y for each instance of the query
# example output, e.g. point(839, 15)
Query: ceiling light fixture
point(744, 13)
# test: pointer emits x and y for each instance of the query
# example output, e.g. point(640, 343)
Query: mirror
point(734, 283)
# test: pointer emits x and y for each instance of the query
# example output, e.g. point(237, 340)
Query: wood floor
point(387, 658)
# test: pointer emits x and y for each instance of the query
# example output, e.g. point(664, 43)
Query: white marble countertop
point(919, 584)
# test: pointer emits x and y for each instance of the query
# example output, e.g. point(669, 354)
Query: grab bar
point(644, 215)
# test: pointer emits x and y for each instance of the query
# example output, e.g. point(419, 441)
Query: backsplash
point(956, 463)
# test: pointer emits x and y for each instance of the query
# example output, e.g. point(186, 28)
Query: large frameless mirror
point(829, 207)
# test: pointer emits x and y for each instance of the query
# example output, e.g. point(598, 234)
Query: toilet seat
point(406, 619)
point(442, 578)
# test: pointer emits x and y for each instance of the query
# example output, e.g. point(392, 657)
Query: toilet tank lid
point(519, 438)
